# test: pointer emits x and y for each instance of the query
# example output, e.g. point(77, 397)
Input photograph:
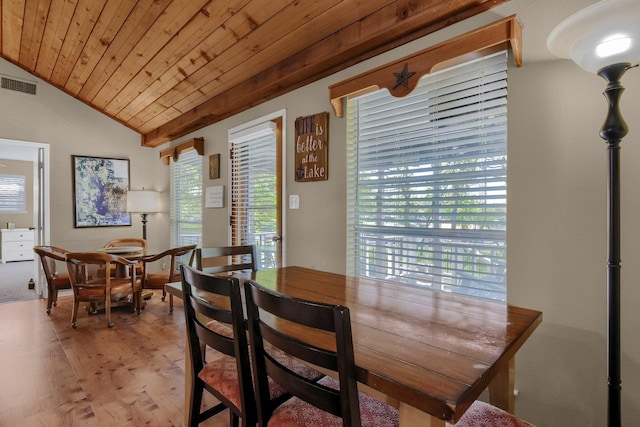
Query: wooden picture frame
point(100, 188)
point(214, 166)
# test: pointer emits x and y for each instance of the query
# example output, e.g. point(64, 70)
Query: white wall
point(557, 241)
point(556, 218)
point(72, 128)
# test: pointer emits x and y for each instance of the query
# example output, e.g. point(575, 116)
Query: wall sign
point(214, 197)
point(312, 148)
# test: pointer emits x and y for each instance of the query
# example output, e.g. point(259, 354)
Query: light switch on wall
point(294, 201)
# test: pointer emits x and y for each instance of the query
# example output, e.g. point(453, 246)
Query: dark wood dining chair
point(49, 257)
point(226, 258)
point(226, 373)
point(327, 402)
point(90, 286)
point(158, 279)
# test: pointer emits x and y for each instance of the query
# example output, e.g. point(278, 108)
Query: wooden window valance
point(174, 152)
point(401, 77)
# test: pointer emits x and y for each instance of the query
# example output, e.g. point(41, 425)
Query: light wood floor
point(130, 375)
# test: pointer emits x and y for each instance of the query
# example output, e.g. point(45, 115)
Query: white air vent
point(10, 83)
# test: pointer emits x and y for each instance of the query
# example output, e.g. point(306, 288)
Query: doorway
point(38, 154)
point(257, 185)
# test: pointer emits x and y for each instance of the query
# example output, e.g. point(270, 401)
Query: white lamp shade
point(602, 34)
point(143, 201)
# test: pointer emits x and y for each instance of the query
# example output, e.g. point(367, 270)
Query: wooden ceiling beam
point(392, 26)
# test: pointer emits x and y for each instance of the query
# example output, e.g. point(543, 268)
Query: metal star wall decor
point(402, 78)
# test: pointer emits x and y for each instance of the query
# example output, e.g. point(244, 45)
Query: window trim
point(500, 35)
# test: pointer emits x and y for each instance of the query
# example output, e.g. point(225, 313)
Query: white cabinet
point(16, 244)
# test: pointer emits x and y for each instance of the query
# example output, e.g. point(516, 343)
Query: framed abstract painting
point(100, 188)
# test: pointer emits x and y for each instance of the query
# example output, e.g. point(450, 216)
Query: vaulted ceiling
point(165, 68)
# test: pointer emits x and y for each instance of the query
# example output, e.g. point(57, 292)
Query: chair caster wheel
point(48, 311)
point(55, 304)
point(162, 298)
point(74, 325)
point(110, 324)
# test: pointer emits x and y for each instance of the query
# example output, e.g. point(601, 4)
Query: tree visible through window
point(427, 193)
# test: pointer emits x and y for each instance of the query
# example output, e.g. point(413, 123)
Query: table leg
point(413, 417)
point(188, 380)
point(501, 388)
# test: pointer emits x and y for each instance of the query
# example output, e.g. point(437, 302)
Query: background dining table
point(430, 353)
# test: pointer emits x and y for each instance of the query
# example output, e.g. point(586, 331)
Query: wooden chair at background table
point(89, 286)
point(129, 242)
point(227, 373)
point(158, 279)
point(226, 259)
point(327, 402)
point(49, 256)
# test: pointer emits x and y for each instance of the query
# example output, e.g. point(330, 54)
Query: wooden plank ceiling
point(165, 68)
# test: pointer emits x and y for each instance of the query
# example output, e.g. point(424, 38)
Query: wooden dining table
point(431, 353)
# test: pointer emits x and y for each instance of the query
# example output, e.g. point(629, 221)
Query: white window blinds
point(253, 190)
point(427, 194)
point(186, 200)
point(12, 193)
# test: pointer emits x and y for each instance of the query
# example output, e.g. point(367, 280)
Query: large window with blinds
point(12, 193)
point(427, 195)
point(186, 200)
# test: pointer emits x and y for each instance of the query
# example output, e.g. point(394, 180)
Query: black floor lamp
point(605, 38)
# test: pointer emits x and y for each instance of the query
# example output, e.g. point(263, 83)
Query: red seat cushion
point(481, 414)
point(296, 412)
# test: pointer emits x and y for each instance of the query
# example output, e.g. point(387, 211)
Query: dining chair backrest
point(127, 241)
point(89, 285)
point(175, 255)
point(334, 354)
point(208, 298)
point(49, 257)
point(158, 279)
point(226, 258)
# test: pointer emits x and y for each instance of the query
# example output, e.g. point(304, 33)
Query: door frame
point(30, 151)
point(280, 117)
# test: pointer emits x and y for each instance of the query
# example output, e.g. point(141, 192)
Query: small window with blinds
point(12, 193)
point(427, 195)
point(186, 200)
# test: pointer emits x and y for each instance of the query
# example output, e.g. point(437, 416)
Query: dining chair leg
point(234, 419)
point(74, 313)
point(107, 310)
point(49, 301)
point(196, 403)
